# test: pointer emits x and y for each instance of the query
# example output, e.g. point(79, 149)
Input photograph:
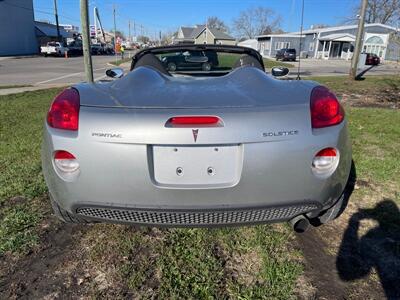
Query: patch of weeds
point(17, 229)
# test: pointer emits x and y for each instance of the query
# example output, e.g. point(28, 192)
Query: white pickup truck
point(53, 48)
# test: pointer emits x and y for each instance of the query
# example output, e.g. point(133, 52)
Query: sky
point(168, 15)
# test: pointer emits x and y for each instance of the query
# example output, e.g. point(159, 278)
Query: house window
point(311, 47)
point(282, 45)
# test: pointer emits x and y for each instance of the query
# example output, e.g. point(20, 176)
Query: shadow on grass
point(379, 248)
point(360, 77)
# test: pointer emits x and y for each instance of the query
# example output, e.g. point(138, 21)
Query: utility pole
point(129, 26)
point(359, 40)
point(87, 58)
point(115, 34)
point(58, 26)
point(95, 21)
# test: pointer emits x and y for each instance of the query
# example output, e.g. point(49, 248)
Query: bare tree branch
point(216, 23)
point(256, 21)
point(379, 11)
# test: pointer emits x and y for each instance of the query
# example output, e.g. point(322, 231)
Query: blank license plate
point(197, 167)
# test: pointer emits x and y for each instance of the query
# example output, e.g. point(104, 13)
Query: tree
point(256, 21)
point(379, 11)
point(118, 33)
point(167, 37)
point(143, 39)
point(216, 23)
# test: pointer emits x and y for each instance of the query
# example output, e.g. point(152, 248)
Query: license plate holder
point(197, 166)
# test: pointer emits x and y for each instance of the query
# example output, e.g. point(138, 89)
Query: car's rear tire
point(206, 66)
point(171, 67)
point(63, 215)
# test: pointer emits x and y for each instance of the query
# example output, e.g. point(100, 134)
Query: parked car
point(372, 59)
point(97, 49)
point(75, 48)
point(286, 54)
point(203, 148)
point(203, 60)
point(54, 48)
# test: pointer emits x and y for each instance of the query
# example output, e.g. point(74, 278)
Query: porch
point(335, 46)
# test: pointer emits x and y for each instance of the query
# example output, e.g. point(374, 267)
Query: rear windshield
point(291, 50)
point(199, 61)
point(52, 44)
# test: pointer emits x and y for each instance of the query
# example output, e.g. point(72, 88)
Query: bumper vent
point(197, 218)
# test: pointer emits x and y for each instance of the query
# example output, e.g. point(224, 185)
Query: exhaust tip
point(300, 224)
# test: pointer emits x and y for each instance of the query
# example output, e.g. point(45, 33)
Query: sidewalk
point(16, 90)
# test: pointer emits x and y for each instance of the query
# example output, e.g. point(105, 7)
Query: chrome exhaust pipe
point(299, 224)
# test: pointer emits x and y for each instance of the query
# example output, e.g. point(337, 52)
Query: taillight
point(194, 120)
point(325, 108)
point(65, 161)
point(325, 161)
point(64, 111)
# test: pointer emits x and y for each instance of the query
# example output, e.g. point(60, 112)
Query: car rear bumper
point(116, 183)
point(196, 217)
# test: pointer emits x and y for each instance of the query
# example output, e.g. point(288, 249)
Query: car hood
point(147, 88)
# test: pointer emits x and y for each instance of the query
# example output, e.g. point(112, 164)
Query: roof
point(46, 29)
point(196, 31)
point(329, 29)
point(186, 31)
point(218, 34)
point(343, 37)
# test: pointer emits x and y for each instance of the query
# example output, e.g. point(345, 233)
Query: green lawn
point(374, 84)
point(120, 61)
point(241, 263)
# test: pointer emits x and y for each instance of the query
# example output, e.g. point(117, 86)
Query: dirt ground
point(336, 264)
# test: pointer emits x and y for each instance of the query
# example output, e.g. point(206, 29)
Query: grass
point(228, 60)
point(21, 120)
point(376, 139)
point(2, 87)
point(240, 263)
point(370, 84)
point(120, 61)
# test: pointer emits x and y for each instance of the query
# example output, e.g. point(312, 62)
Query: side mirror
point(115, 73)
point(279, 71)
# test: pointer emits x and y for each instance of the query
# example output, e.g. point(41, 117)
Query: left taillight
point(64, 111)
point(65, 161)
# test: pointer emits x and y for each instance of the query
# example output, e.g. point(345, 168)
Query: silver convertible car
point(219, 146)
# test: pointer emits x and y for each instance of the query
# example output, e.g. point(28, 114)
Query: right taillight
point(64, 111)
point(325, 108)
point(325, 161)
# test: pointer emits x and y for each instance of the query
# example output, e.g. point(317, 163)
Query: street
point(41, 71)
point(49, 71)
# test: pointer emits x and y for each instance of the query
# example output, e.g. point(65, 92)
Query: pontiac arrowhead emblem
point(195, 133)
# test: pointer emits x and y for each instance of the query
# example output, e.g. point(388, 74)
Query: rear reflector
point(325, 161)
point(65, 161)
point(325, 108)
point(64, 111)
point(194, 120)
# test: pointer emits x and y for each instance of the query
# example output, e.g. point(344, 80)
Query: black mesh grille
point(197, 217)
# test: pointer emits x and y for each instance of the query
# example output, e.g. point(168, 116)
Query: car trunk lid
point(146, 88)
